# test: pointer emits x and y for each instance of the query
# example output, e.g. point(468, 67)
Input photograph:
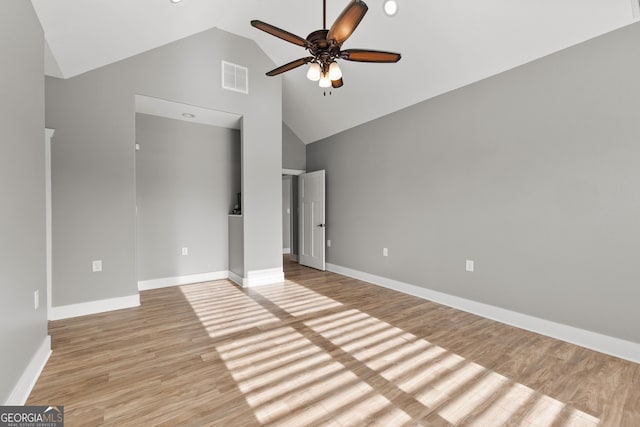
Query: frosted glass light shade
point(314, 72)
point(325, 81)
point(334, 71)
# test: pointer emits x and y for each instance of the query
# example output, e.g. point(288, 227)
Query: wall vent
point(235, 77)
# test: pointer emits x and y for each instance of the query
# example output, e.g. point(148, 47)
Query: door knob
point(320, 225)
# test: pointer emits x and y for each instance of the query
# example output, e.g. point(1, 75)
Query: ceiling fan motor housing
point(324, 51)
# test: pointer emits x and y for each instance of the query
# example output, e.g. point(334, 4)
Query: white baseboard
point(286, 251)
point(145, 285)
point(602, 343)
point(263, 277)
point(254, 278)
point(258, 278)
point(93, 307)
point(22, 390)
point(235, 278)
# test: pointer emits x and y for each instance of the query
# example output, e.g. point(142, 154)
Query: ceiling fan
point(325, 46)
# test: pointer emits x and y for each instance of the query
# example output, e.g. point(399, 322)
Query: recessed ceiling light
point(175, 1)
point(390, 7)
point(188, 115)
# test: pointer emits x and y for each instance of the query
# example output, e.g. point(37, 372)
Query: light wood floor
point(322, 349)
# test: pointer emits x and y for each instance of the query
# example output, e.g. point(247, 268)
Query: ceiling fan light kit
point(315, 72)
point(325, 46)
point(325, 81)
point(335, 72)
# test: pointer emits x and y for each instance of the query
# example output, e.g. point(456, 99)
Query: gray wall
point(187, 177)
point(93, 157)
point(294, 153)
point(236, 242)
point(22, 211)
point(534, 174)
point(294, 156)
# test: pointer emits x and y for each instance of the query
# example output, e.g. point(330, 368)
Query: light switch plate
point(96, 266)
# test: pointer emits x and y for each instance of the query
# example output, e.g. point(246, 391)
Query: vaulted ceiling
point(445, 44)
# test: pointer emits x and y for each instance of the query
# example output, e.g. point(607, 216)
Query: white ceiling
point(445, 44)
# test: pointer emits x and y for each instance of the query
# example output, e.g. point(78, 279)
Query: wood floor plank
point(322, 349)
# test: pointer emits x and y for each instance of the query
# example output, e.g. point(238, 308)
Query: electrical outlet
point(469, 266)
point(328, 243)
point(185, 251)
point(96, 265)
point(36, 299)
point(385, 252)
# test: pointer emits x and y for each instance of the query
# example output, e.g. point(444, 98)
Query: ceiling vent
point(235, 77)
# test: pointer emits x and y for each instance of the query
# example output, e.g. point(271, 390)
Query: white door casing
point(311, 192)
point(286, 215)
point(48, 134)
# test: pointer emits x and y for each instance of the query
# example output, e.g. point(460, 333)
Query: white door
point(312, 226)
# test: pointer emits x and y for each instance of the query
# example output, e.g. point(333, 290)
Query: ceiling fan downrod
point(324, 14)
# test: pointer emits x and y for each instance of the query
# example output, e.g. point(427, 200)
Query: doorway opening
point(290, 217)
point(188, 178)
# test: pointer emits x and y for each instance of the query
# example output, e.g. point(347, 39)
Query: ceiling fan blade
point(280, 33)
point(290, 66)
point(347, 22)
point(362, 55)
point(337, 83)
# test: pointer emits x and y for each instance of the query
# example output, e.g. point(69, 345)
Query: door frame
point(316, 231)
point(48, 135)
point(295, 221)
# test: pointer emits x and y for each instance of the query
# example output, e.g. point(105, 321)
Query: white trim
point(235, 278)
point(294, 257)
point(145, 285)
point(48, 134)
point(93, 307)
point(286, 251)
point(22, 389)
point(295, 172)
point(269, 276)
point(603, 343)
